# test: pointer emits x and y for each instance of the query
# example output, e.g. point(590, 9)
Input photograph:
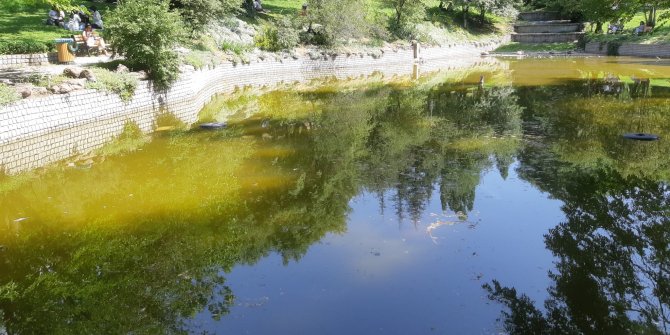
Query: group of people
point(617, 27)
point(81, 21)
point(78, 18)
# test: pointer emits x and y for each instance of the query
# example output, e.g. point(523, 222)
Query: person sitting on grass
point(93, 41)
point(55, 17)
point(640, 29)
point(97, 18)
point(258, 6)
point(75, 22)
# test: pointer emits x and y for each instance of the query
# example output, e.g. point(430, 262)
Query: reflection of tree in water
point(611, 274)
point(147, 272)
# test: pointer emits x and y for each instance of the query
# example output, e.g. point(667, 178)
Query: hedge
point(24, 47)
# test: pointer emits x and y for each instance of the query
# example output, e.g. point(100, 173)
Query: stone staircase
point(545, 27)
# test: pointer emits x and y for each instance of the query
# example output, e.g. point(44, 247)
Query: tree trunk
point(599, 27)
point(466, 9)
point(249, 6)
point(482, 14)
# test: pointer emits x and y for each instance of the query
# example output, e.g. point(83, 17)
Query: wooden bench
point(82, 47)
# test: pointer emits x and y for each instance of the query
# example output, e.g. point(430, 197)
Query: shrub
point(407, 14)
point(332, 21)
point(147, 32)
point(280, 36)
point(201, 59)
point(198, 13)
point(15, 47)
point(7, 95)
point(123, 84)
point(236, 48)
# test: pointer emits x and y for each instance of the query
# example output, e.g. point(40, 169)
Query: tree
point(338, 20)
point(407, 14)
point(146, 32)
point(198, 13)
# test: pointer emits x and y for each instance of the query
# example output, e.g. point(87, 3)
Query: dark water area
point(500, 199)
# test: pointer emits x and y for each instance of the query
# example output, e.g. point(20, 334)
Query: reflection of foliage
point(117, 258)
point(611, 275)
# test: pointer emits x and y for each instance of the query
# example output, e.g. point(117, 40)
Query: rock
point(484, 53)
point(73, 72)
point(62, 88)
point(6, 82)
point(24, 90)
point(38, 90)
point(76, 84)
point(122, 69)
point(142, 75)
point(88, 74)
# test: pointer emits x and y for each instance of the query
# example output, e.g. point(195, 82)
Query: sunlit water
point(378, 206)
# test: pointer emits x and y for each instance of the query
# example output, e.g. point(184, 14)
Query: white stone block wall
point(631, 49)
point(38, 131)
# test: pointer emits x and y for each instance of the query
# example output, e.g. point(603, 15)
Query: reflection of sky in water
point(385, 276)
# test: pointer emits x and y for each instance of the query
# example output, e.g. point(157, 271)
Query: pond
point(496, 199)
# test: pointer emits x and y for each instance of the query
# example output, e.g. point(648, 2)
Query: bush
point(407, 14)
point(123, 84)
point(7, 95)
point(147, 32)
point(236, 48)
point(24, 47)
point(202, 59)
point(278, 37)
point(333, 21)
point(198, 13)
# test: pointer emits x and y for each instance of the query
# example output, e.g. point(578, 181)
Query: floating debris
point(213, 125)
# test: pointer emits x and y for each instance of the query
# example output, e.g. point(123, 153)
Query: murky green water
point(436, 206)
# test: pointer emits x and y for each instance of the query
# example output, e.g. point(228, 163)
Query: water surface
point(384, 205)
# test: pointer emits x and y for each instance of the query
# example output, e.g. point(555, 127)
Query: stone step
point(539, 16)
point(526, 23)
point(547, 28)
point(547, 37)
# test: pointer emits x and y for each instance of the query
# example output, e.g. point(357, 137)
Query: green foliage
point(408, 13)
point(198, 13)
point(236, 48)
point(132, 137)
point(7, 95)
point(537, 47)
point(336, 21)
point(147, 32)
point(123, 84)
point(15, 47)
point(280, 36)
point(202, 59)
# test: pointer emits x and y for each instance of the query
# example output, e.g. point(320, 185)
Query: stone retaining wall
point(630, 49)
point(39, 131)
point(31, 59)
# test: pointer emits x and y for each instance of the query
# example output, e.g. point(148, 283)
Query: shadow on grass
point(453, 19)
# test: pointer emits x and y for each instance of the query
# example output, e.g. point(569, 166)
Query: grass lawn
point(661, 32)
point(537, 47)
point(27, 24)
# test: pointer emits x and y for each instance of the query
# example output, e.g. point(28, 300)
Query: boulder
point(63, 88)
point(142, 75)
point(72, 72)
point(24, 90)
point(77, 83)
point(38, 90)
point(122, 69)
point(88, 75)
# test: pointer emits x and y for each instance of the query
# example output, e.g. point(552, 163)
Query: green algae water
point(440, 205)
